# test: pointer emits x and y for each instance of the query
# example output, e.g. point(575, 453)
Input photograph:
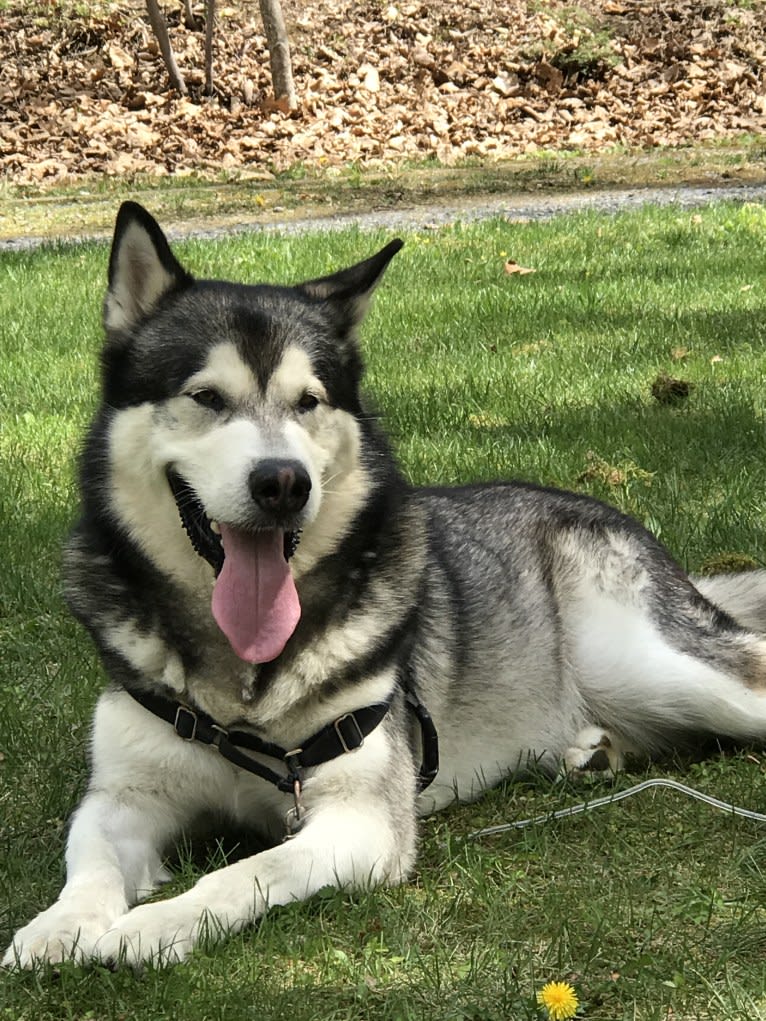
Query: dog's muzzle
point(198, 526)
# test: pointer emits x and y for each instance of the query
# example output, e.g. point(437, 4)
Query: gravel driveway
point(513, 206)
point(518, 207)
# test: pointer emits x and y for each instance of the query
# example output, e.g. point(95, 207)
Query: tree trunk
point(159, 25)
point(279, 52)
point(209, 34)
point(189, 20)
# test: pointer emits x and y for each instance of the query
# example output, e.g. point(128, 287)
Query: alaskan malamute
point(294, 635)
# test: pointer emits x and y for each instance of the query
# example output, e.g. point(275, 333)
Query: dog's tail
point(741, 595)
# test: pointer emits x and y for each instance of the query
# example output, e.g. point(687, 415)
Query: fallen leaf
point(668, 390)
point(530, 349)
point(503, 85)
point(119, 58)
point(422, 57)
point(281, 105)
point(370, 78)
point(487, 420)
point(549, 76)
point(512, 267)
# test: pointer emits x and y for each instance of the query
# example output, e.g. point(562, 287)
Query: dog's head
point(233, 424)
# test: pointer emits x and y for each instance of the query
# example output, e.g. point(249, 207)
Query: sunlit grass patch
point(651, 909)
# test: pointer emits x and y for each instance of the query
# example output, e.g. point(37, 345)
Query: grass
point(654, 909)
point(86, 207)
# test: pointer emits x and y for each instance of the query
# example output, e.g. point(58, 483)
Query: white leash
point(587, 806)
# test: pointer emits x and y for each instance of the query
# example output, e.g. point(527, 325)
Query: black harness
point(340, 737)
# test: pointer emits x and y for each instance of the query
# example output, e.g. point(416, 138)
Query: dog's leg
point(343, 844)
point(113, 856)
point(143, 788)
point(654, 681)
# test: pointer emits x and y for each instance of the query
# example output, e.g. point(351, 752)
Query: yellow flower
point(559, 1000)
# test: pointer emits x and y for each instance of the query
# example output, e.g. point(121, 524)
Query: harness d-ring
point(294, 816)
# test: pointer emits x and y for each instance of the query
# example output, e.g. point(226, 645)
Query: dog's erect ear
point(142, 269)
point(350, 291)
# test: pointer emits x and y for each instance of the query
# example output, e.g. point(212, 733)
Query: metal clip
point(294, 816)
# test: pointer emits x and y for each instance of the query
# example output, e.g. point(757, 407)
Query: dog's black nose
point(280, 488)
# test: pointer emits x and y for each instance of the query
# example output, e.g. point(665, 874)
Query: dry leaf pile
point(377, 82)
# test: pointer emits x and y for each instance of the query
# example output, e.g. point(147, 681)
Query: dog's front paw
point(68, 930)
point(160, 934)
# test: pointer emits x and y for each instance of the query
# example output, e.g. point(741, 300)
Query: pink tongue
point(255, 603)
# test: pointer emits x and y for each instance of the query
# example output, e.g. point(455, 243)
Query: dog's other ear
point(349, 292)
point(142, 269)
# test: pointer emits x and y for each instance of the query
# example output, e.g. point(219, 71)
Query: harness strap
point(195, 725)
point(341, 736)
point(429, 740)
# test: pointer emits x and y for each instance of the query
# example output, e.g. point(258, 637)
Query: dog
point(299, 641)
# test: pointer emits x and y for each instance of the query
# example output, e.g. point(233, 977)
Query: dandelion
point(559, 1000)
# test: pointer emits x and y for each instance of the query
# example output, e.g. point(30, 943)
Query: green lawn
point(653, 908)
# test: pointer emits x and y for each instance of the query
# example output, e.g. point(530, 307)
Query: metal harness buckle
point(181, 724)
point(342, 739)
point(220, 734)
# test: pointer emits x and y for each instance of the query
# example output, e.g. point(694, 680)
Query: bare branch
point(189, 19)
point(209, 36)
point(160, 28)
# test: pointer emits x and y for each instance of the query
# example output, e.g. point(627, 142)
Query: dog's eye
point(307, 402)
point(209, 399)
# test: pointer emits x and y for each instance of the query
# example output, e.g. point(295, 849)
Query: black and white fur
point(536, 624)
